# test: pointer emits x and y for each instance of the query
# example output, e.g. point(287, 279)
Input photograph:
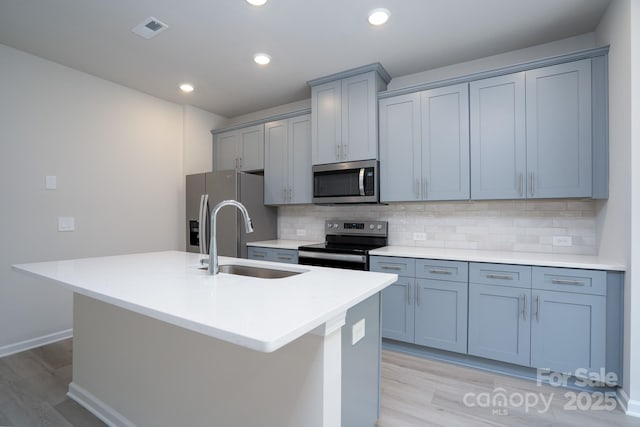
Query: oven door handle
point(334, 257)
point(361, 181)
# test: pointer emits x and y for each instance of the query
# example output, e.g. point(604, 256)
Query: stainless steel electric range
point(347, 244)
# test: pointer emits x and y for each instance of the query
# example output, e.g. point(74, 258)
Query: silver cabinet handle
point(287, 258)
point(258, 255)
point(337, 151)
point(533, 184)
point(390, 267)
point(290, 193)
point(240, 162)
point(417, 188)
point(417, 294)
point(521, 184)
point(409, 294)
point(499, 276)
point(567, 282)
point(236, 159)
point(284, 194)
point(435, 271)
point(345, 151)
point(524, 308)
point(537, 308)
point(424, 189)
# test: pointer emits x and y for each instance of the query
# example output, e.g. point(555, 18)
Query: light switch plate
point(51, 182)
point(419, 236)
point(66, 223)
point(357, 331)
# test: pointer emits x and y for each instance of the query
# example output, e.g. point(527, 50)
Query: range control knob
point(335, 225)
point(379, 226)
point(371, 226)
point(329, 225)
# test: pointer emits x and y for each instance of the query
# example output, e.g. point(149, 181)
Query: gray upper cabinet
point(345, 115)
point(424, 145)
point(240, 149)
point(287, 168)
point(559, 140)
point(498, 137)
point(445, 143)
point(400, 148)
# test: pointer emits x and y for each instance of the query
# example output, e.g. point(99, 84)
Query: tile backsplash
point(514, 225)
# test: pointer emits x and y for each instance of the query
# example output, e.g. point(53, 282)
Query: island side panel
point(135, 370)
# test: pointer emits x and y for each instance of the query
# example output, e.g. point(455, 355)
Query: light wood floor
point(415, 393)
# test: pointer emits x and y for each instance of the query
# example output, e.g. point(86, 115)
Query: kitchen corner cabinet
point(345, 118)
point(287, 162)
point(288, 256)
point(531, 133)
point(424, 145)
point(240, 149)
point(427, 305)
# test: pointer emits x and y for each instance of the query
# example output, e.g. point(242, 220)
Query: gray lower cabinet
point(428, 309)
point(289, 256)
point(287, 162)
point(424, 145)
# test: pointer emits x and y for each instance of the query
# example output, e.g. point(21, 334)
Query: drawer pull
point(567, 282)
point(288, 258)
point(499, 276)
point(257, 255)
point(435, 271)
point(390, 267)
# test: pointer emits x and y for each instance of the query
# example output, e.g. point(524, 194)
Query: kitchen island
point(158, 341)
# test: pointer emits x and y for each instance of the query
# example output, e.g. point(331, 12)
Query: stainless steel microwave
point(348, 182)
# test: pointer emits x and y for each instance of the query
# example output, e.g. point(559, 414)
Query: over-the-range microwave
point(347, 182)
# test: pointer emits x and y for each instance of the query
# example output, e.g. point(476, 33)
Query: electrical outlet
point(419, 236)
point(51, 182)
point(562, 241)
point(301, 232)
point(357, 332)
point(66, 223)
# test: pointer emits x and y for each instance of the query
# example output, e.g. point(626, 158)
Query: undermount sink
point(259, 272)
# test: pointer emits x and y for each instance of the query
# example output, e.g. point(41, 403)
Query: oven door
point(334, 260)
point(350, 182)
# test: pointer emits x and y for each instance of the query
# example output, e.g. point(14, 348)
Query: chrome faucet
point(213, 251)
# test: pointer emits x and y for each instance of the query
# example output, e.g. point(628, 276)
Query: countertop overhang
point(260, 314)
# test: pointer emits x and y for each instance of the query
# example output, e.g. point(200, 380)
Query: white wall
point(615, 217)
point(198, 144)
point(117, 155)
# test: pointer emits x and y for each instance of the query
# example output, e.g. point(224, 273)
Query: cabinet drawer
point(285, 255)
point(396, 265)
point(570, 280)
point(258, 253)
point(454, 271)
point(500, 274)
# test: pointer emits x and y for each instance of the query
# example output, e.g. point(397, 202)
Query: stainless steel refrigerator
point(205, 190)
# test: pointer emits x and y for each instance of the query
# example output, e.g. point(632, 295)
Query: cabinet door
point(397, 310)
point(300, 159)
point(568, 331)
point(498, 145)
point(445, 143)
point(400, 148)
point(275, 163)
point(252, 143)
point(499, 323)
point(225, 151)
point(441, 314)
point(326, 123)
point(559, 130)
point(359, 118)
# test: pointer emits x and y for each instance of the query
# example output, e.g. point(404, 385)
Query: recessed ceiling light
point(186, 87)
point(379, 16)
point(262, 58)
point(256, 2)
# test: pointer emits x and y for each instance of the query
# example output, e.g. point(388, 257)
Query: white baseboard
point(630, 407)
point(97, 407)
point(18, 347)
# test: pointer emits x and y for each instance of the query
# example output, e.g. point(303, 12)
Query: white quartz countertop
point(260, 314)
point(281, 244)
point(523, 258)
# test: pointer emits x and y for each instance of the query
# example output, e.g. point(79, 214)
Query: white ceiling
point(210, 43)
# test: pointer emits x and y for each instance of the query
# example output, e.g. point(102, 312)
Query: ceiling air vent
point(150, 27)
